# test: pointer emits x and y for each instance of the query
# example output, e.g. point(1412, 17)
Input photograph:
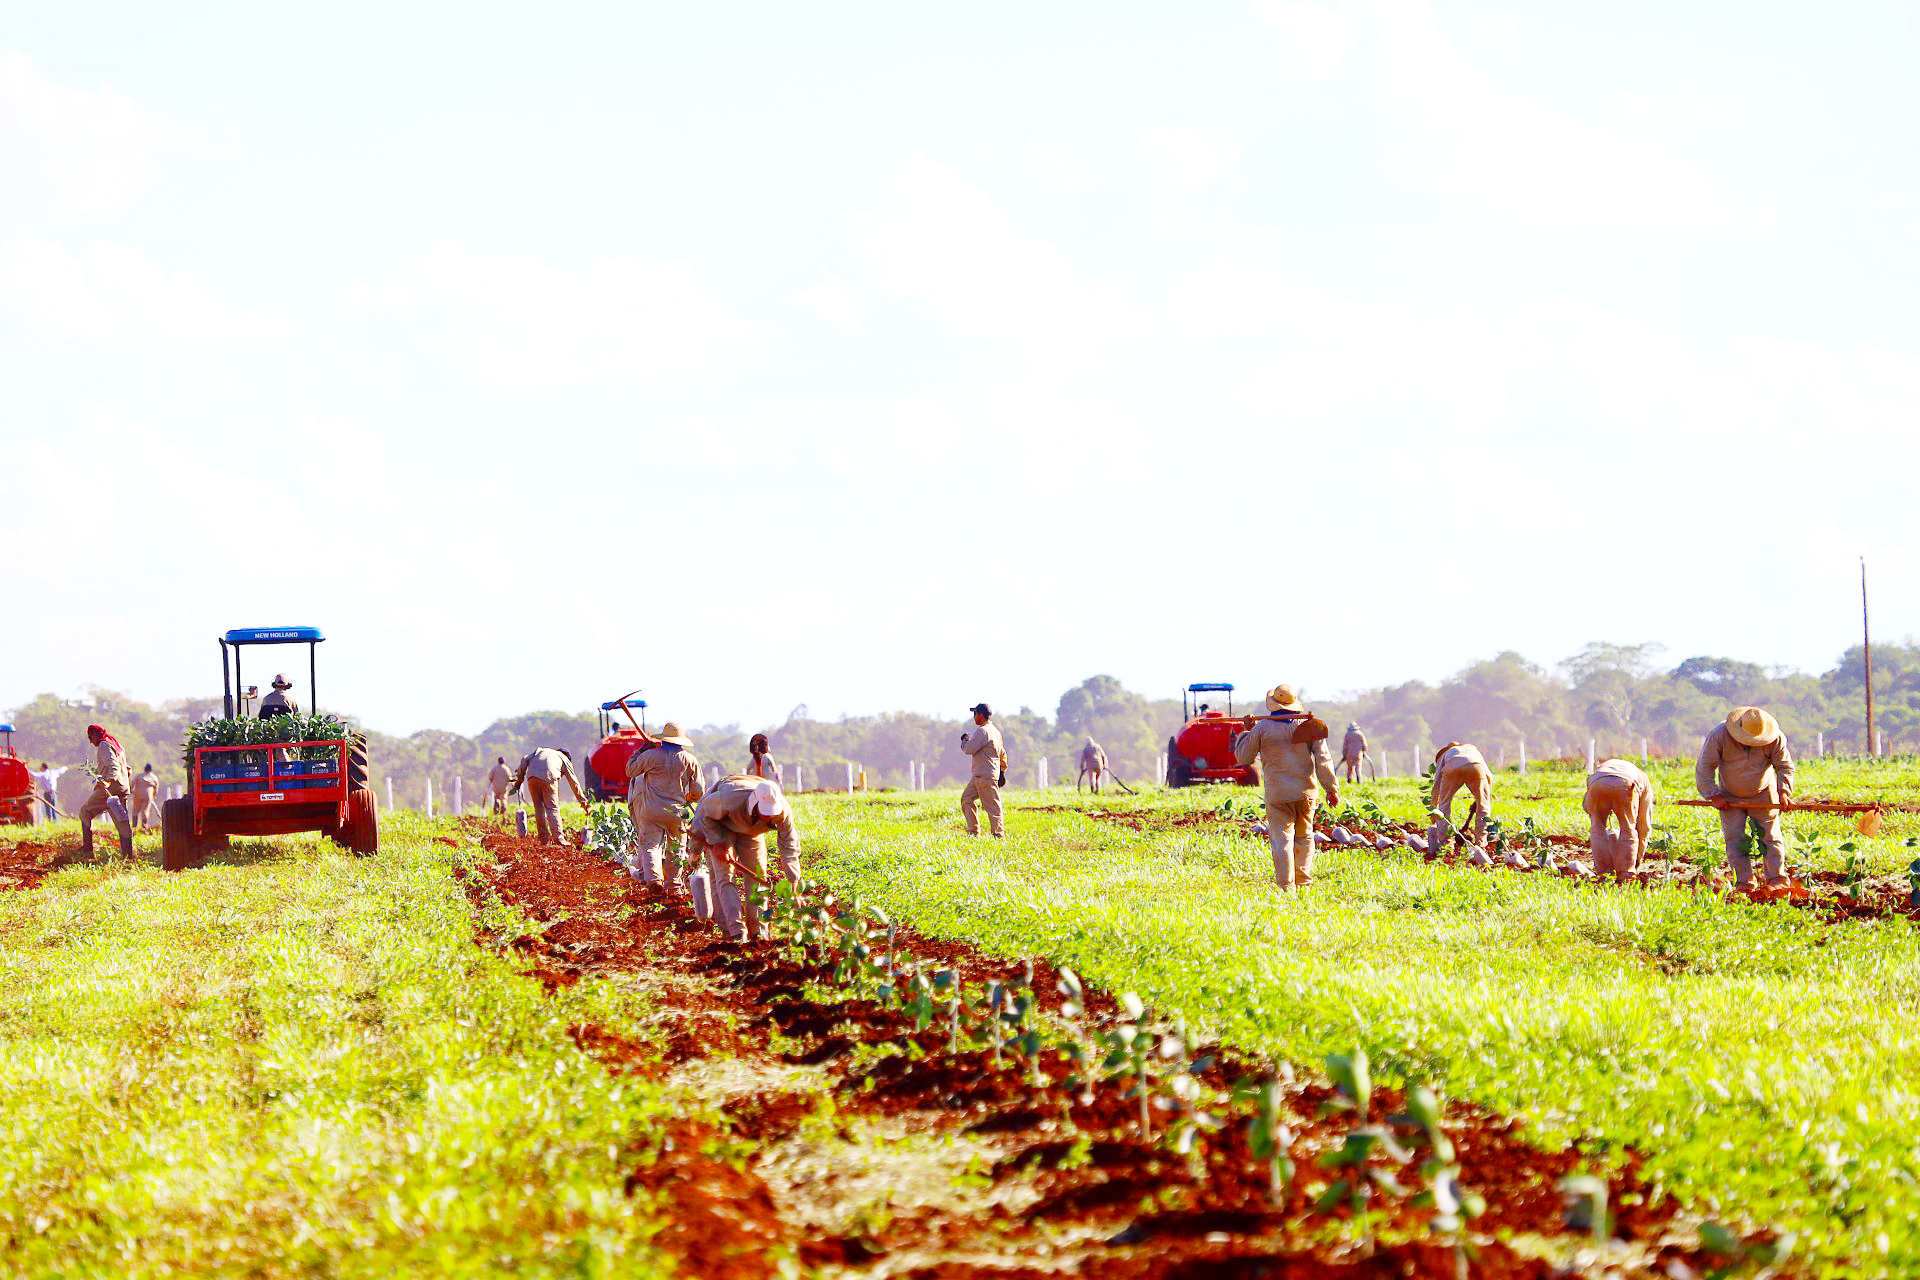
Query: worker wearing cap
point(109, 791)
point(663, 782)
point(278, 703)
point(1746, 759)
point(1619, 790)
point(1291, 746)
point(499, 782)
point(729, 825)
point(1353, 749)
point(146, 798)
point(989, 752)
point(1458, 767)
point(542, 771)
point(1093, 761)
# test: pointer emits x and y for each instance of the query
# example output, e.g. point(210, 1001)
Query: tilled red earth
point(1071, 1188)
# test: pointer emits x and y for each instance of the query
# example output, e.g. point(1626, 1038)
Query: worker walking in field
point(541, 772)
point(1353, 750)
point(1291, 746)
point(47, 779)
point(146, 799)
point(1619, 790)
point(987, 775)
point(109, 791)
point(761, 764)
point(277, 703)
point(1459, 766)
point(663, 783)
point(1093, 766)
point(499, 780)
point(729, 828)
point(1745, 761)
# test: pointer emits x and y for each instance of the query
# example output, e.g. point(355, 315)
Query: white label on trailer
point(273, 795)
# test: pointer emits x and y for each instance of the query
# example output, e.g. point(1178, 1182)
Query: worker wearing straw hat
point(1291, 746)
point(541, 771)
point(1621, 791)
point(109, 790)
point(1742, 761)
point(989, 752)
point(729, 826)
point(1458, 767)
point(663, 782)
point(1353, 750)
point(278, 703)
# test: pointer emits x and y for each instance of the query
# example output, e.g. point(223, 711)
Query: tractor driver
point(278, 703)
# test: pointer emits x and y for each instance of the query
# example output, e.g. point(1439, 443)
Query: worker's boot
point(86, 838)
point(126, 841)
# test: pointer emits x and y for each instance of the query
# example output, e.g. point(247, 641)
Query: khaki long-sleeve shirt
point(111, 764)
point(550, 766)
point(144, 785)
point(1623, 769)
point(984, 744)
point(277, 703)
point(1093, 757)
point(1744, 773)
point(663, 780)
point(764, 767)
point(1354, 745)
point(1290, 770)
point(723, 813)
point(500, 780)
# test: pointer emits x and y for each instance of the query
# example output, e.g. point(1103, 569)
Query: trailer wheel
point(362, 831)
point(177, 846)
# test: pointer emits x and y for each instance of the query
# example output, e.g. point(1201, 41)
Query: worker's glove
point(963, 739)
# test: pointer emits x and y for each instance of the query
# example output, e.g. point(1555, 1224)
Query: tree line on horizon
point(1614, 695)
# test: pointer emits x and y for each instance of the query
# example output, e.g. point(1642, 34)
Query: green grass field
point(300, 1064)
point(1766, 1063)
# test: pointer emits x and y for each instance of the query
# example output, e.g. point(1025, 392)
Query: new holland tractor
point(16, 784)
point(246, 779)
point(607, 763)
point(1203, 749)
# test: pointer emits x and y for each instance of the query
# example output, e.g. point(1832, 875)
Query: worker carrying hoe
point(663, 784)
point(1746, 772)
point(1620, 791)
point(730, 826)
point(109, 791)
point(1291, 745)
point(541, 771)
point(1458, 767)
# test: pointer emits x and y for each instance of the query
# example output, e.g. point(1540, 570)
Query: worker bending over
point(1620, 790)
point(541, 771)
point(729, 826)
point(1294, 764)
point(1459, 766)
point(499, 781)
point(1746, 761)
point(988, 774)
point(109, 791)
point(663, 782)
point(146, 798)
point(1093, 765)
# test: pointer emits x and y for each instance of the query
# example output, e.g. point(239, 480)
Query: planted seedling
point(1269, 1136)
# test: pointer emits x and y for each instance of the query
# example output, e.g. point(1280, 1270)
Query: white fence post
point(1161, 774)
point(389, 793)
point(849, 777)
point(1820, 742)
point(1590, 746)
point(429, 797)
point(458, 791)
point(1644, 757)
point(1523, 755)
point(799, 779)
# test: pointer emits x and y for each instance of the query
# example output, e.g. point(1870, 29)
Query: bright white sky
point(882, 356)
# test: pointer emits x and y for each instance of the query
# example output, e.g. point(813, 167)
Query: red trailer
point(255, 789)
point(607, 763)
point(16, 784)
point(1203, 749)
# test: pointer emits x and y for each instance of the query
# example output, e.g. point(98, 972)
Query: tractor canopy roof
point(1209, 688)
point(6, 728)
point(274, 635)
point(615, 704)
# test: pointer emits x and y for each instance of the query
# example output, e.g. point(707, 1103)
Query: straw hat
point(1280, 698)
point(281, 682)
point(1752, 727)
point(670, 732)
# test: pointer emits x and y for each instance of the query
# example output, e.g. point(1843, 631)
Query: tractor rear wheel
point(178, 849)
point(1179, 772)
point(357, 760)
point(361, 833)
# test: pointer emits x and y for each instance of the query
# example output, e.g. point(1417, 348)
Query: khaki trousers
point(1476, 782)
point(987, 793)
point(500, 803)
point(1765, 825)
point(750, 854)
point(1630, 806)
point(658, 851)
point(146, 812)
point(1290, 832)
point(106, 800)
point(546, 811)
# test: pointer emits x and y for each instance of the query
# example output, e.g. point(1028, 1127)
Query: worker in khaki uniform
point(109, 791)
point(542, 771)
point(1291, 746)
point(277, 703)
point(761, 763)
point(1458, 767)
point(663, 782)
point(146, 798)
point(1619, 790)
point(989, 752)
point(728, 827)
point(1353, 750)
point(1093, 766)
point(1746, 759)
point(499, 782)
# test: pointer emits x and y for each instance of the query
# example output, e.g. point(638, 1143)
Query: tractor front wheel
point(361, 834)
point(178, 849)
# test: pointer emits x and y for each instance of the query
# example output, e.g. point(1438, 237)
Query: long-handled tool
point(1869, 823)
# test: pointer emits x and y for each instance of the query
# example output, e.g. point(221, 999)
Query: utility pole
point(1866, 640)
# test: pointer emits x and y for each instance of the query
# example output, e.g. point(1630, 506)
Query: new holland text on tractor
point(1202, 751)
point(607, 763)
point(243, 781)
